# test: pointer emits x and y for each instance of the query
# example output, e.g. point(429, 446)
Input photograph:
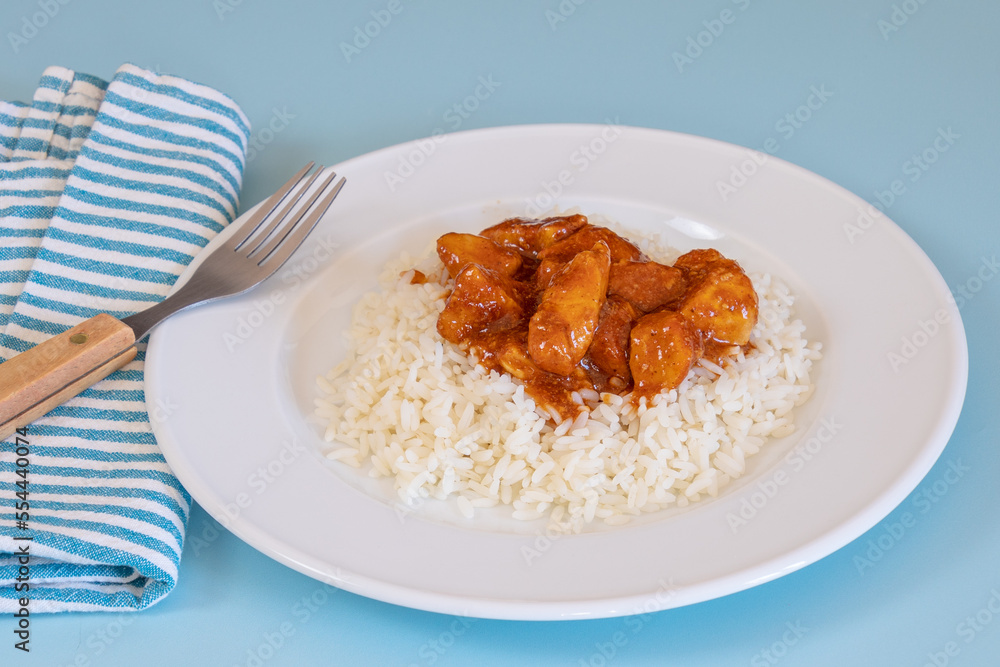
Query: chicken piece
point(512, 357)
point(647, 285)
point(562, 328)
point(457, 250)
point(483, 300)
point(557, 255)
point(608, 352)
point(547, 268)
point(532, 236)
point(664, 348)
point(720, 300)
point(697, 261)
point(621, 249)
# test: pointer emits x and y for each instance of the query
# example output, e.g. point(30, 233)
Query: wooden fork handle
point(47, 375)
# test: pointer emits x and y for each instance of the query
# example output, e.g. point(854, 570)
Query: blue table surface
point(893, 75)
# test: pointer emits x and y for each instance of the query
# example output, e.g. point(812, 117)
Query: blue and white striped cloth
point(107, 191)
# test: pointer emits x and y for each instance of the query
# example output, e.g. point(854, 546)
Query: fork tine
point(268, 208)
point(277, 220)
point(291, 222)
point(299, 230)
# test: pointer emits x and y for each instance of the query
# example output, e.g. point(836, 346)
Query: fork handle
point(47, 375)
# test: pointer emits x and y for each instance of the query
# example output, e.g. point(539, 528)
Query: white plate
point(233, 382)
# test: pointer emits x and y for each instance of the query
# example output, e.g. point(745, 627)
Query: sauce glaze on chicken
point(570, 308)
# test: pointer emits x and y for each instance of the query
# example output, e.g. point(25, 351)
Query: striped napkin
point(107, 191)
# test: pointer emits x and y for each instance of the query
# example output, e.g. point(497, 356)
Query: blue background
point(897, 73)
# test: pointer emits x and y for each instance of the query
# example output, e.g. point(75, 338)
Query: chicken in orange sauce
point(457, 250)
point(563, 251)
point(570, 309)
point(646, 285)
point(562, 328)
point(665, 347)
point(530, 237)
point(482, 301)
point(720, 299)
point(609, 351)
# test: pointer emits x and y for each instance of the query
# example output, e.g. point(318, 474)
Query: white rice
point(408, 404)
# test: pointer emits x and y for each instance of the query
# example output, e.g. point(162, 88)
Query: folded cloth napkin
point(107, 191)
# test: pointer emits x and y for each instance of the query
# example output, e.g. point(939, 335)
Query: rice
point(409, 405)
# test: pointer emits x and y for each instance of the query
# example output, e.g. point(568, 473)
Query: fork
point(47, 375)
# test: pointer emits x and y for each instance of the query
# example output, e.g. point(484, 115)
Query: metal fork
point(39, 379)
